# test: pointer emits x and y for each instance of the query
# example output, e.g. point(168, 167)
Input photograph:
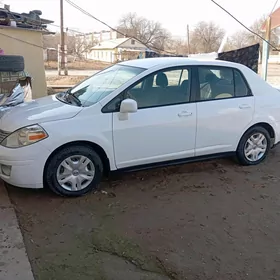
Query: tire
point(55, 171)
point(11, 63)
point(255, 148)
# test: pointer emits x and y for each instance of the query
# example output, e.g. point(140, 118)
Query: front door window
point(164, 88)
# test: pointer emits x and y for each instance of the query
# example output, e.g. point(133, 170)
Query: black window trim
point(196, 74)
point(190, 68)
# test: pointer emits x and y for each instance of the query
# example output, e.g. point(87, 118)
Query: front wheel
point(74, 171)
point(254, 146)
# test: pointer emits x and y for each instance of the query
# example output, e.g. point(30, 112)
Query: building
point(84, 42)
point(29, 44)
point(97, 37)
point(117, 50)
point(22, 34)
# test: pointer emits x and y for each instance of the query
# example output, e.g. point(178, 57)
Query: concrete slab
point(14, 263)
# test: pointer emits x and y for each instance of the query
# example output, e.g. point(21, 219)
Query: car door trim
point(176, 162)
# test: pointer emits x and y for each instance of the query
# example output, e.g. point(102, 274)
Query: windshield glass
point(103, 83)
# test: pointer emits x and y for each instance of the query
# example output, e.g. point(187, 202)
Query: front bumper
point(24, 167)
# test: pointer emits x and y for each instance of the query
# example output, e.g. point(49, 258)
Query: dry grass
point(79, 65)
point(62, 81)
point(65, 80)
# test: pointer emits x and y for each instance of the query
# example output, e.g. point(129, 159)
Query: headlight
point(25, 136)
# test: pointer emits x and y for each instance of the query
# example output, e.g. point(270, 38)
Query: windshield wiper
point(75, 98)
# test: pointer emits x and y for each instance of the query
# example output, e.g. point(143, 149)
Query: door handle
point(244, 106)
point(184, 114)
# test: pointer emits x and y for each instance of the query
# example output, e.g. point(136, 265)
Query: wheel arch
point(266, 126)
point(98, 149)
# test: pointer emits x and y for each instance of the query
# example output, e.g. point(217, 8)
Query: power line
point(58, 26)
point(23, 41)
point(110, 27)
point(52, 24)
point(250, 30)
point(67, 28)
point(276, 2)
point(32, 44)
point(88, 14)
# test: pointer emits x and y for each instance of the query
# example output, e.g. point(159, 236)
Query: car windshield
point(98, 86)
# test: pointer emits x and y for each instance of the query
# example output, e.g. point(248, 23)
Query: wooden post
point(62, 39)
point(58, 60)
point(188, 39)
point(265, 54)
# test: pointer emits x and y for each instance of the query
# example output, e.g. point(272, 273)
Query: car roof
point(161, 62)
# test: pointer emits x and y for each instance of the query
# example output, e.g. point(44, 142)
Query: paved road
point(14, 264)
point(72, 72)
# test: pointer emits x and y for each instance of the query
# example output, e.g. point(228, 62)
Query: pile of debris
point(31, 20)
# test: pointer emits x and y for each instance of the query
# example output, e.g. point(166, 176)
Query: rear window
point(221, 82)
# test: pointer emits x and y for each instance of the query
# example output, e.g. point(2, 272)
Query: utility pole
point(265, 55)
point(188, 39)
point(62, 40)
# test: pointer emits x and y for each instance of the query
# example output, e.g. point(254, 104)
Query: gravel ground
point(212, 220)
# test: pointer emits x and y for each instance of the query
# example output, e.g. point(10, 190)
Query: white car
point(139, 114)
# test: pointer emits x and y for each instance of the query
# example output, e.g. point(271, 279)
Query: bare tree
point(245, 38)
point(177, 46)
point(80, 45)
point(206, 37)
point(256, 27)
point(77, 45)
point(149, 32)
point(238, 40)
point(51, 41)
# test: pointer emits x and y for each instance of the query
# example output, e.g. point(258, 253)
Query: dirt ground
point(79, 65)
point(62, 80)
point(65, 80)
point(213, 220)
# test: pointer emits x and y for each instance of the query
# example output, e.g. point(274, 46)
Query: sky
point(174, 16)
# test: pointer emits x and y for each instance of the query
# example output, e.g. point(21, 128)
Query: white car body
point(158, 135)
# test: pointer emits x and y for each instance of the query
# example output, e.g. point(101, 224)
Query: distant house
point(93, 37)
point(117, 50)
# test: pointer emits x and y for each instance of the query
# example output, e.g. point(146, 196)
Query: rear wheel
point(254, 146)
point(74, 171)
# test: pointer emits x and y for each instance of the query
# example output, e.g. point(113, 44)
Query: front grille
point(3, 135)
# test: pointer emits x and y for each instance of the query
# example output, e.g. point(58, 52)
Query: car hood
point(277, 87)
point(41, 110)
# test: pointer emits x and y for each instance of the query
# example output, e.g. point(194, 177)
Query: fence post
point(58, 60)
point(66, 61)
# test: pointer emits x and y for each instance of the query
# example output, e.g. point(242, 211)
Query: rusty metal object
point(248, 56)
point(4, 18)
point(31, 20)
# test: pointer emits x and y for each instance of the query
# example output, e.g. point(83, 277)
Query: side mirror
point(128, 106)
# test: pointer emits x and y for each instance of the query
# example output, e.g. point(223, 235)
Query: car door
point(164, 127)
point(225, 108)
